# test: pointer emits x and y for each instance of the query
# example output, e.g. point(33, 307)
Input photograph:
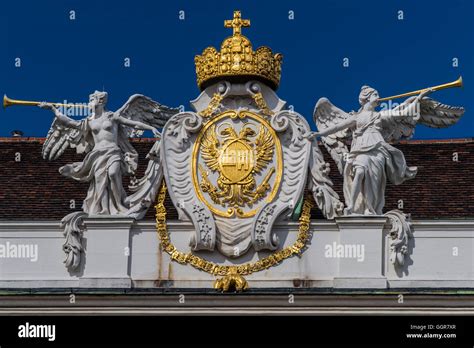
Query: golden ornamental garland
point(232, 275)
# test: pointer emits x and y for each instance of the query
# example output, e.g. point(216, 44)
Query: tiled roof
point(32, 188)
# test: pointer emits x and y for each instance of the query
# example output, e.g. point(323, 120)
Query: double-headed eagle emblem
point(237, 158)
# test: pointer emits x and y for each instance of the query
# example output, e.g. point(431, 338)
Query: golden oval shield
point(237, 163)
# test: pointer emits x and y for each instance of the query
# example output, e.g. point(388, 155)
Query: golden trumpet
point(457, 83)
point(9, 102)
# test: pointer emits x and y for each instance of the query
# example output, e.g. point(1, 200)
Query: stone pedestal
point(362, 236)
point(107, 241)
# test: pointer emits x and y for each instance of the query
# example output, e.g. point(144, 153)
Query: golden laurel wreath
point(232, 275)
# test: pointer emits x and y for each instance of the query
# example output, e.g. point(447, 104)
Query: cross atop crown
point(237, 23)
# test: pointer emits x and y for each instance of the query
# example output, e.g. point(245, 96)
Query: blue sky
point(68, 59)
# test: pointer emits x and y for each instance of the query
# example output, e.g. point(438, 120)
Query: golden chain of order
point(245, 269)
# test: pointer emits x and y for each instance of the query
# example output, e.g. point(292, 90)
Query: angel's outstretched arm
point(69, 122)
point(404, 110)
point(410, 108)
point(137, 124)
point(63, 119)
point(350, 122)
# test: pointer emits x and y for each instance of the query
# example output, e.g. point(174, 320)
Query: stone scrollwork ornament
point(73, 226)
point(400, 233)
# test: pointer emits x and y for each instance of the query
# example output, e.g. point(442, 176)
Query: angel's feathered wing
point(60, 137)
point(326, 115)
point(432, 114)
point(143, 109)
point(437, 115)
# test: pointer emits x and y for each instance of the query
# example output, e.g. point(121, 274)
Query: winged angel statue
point(371, 160)
point(104, 138)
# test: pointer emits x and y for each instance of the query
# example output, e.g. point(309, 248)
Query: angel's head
point(369, 97)
point(98, 100)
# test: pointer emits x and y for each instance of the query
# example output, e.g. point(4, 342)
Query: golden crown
point(237, 60)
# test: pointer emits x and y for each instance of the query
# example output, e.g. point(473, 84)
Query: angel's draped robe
point(379, 160)
point(106, 195)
